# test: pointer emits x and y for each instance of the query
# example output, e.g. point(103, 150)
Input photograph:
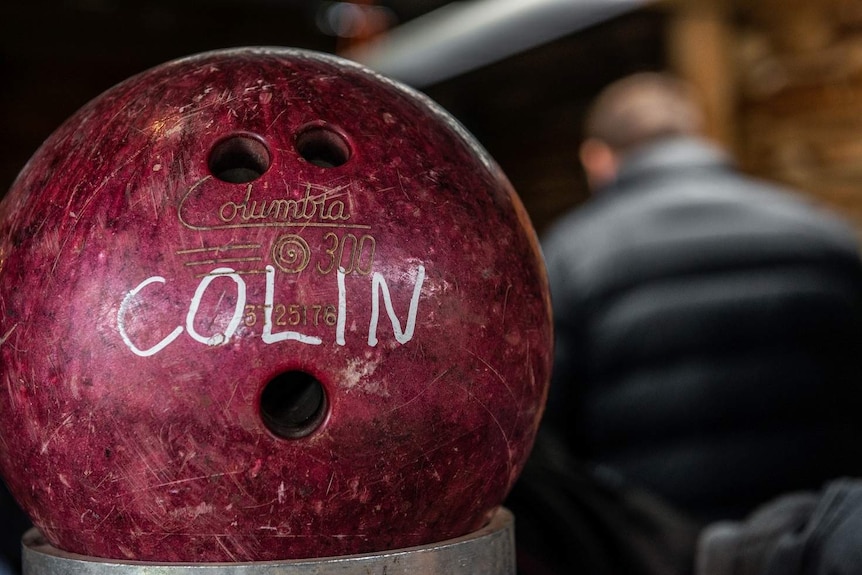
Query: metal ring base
point(488, 551)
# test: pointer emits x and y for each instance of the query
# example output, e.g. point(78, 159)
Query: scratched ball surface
point(263, 304)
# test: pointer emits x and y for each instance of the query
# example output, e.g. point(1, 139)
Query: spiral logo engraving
point(291, 254)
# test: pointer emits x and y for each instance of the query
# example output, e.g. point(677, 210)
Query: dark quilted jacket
point(709, 334)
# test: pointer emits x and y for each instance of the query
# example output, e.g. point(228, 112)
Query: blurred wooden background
point(784, 80)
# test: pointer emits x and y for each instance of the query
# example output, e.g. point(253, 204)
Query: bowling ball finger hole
point(323, 147)
point(293, 404)
point(239, 159)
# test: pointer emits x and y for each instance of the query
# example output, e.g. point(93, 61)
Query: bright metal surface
point(462, 36)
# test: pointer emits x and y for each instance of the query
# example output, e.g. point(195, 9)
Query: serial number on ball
point(293, 314)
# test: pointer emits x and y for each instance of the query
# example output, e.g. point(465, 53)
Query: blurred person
point(799, 533)
point(709, 325)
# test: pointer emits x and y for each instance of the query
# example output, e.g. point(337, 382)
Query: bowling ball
point(262, 304)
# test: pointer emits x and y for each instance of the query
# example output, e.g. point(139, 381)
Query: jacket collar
point(670, 155)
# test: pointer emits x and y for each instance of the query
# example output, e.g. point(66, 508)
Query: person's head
point(631, 112)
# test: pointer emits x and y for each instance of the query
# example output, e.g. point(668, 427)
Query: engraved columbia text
point(324, 206)
point(317, 206)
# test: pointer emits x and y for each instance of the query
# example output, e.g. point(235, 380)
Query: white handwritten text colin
point(379, 289)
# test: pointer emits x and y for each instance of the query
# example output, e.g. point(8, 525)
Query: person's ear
point(600, 162)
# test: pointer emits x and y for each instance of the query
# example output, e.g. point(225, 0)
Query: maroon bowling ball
point(264, 304)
